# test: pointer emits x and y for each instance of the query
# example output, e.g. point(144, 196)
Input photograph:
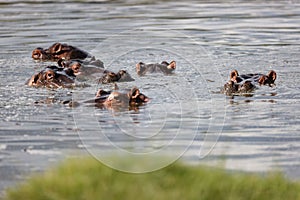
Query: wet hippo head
point(110, 77)
point(51, 78)
point(60, 51)
point(44, 78)
point(114, 99)
point(268, 79)
point(164, 67)
point(124, 76)
point(71, 67)
point(232, 88)
point(65, 51)
point(40, 54)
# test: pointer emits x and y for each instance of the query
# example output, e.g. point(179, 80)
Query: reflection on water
point(259, 132)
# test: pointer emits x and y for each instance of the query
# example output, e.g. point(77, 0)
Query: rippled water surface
point(186, 115)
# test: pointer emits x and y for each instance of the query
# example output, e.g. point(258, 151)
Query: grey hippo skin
point(163, 67)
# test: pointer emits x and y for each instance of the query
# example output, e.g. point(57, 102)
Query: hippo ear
point(272, 76)
point(233, 75)
point(262, 80)
point(61, 63)
point(134, 92)
point(172, 65)
point(57, 47)
point(139, 68)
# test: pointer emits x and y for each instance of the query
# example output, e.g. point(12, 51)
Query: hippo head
point(51, 78)
point(110, 77)
point(72, 68)
point(65, 51)
point(110, 99)
point(124, 76)
point(164, 67)
point(40, 54)
point(43, 78)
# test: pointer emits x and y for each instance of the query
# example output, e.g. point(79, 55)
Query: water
point(186, 114)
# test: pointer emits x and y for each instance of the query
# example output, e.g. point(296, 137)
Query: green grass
point(88, 179)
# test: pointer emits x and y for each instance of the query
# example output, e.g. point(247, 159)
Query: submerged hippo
point(79, 68)
point(52, 77)
point(64, 51)
point(261, 79)
point(120, 76)
point(115, 99)
point(246, 83)
point(59, 51)
point(164, 67)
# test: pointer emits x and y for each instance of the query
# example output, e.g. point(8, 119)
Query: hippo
point(247, 83)
point(59, 51)
point(132, 98)
point(116, 99)
point(163, 67)
point(261, 79)
point(52, 77)
point(79, 68)
point(120, 76)
point(67, 52)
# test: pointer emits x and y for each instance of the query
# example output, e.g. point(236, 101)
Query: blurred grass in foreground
point(87, 178)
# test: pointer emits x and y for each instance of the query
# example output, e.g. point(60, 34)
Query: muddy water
point(186, 116)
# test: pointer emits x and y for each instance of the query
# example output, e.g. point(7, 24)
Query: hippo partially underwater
point(52, 77)
point(59, 51)
point(247, 83)
point(118, 99)
point(163, 67)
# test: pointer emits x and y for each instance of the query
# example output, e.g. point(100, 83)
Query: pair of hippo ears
point(271, 76)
